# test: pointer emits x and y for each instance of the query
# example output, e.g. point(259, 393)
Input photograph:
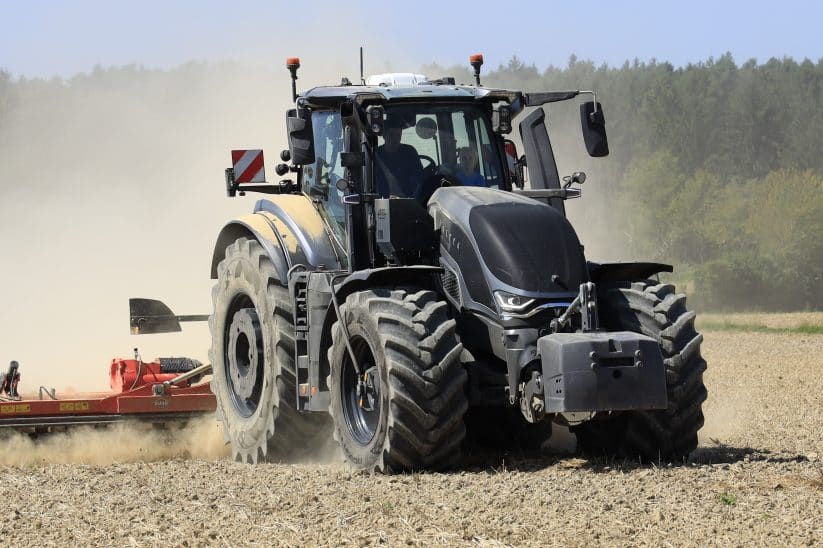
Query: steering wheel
point(435, 177)
point(447, 179)
point(429, 159)
point(431, 166)
point(445, 176)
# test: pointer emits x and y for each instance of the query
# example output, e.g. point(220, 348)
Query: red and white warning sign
point(511, 158)
point(248, 166)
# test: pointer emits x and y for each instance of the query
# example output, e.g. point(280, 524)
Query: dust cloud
point(126, 442)
point(597, 229)
point(113, 187)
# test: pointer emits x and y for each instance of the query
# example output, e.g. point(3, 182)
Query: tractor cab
point(419, 148)
point(401, 137)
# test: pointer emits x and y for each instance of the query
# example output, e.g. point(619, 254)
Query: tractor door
point(540, 156)
point(321, 176)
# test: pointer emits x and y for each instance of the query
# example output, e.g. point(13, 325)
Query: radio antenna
point(362, 79)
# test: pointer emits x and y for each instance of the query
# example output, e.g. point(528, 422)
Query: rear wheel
point(252, 356)
point(655, 310)
point(402, 406)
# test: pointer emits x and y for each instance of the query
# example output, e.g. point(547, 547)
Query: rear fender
point(289, 229)
point(303, 233)
point(253, 227)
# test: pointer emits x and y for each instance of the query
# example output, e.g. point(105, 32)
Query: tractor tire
point(670, 435)
point(407, 413)
point(252, 356)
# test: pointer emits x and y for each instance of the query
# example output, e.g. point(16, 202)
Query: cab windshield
point(425, 146)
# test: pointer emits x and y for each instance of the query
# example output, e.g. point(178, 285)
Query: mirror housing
point(301, 139)
point(594, 129)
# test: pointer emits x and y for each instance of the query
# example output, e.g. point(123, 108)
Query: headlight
point(508, 303)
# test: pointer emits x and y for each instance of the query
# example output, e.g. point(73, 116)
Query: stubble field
point(756, 479)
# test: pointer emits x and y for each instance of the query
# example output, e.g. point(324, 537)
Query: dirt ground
point(756, 479)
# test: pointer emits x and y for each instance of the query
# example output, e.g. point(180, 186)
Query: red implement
point(145, 391)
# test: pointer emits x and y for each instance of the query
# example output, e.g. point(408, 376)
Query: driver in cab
point(399, 172)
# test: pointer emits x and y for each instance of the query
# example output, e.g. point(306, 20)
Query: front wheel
point(400, 404)
point(655, 310)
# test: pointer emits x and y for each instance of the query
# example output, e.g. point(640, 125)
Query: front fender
point(421, 275)
point(625, 272)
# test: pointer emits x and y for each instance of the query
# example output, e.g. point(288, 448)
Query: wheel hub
point(361, 394)
point(244, 357)
point(367, 389)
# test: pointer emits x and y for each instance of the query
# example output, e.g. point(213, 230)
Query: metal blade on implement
point(150, 316)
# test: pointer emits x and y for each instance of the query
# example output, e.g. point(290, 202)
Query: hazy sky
point(46, 38)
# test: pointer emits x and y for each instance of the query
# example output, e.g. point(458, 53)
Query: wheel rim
point(360, 395)
point(243, 356)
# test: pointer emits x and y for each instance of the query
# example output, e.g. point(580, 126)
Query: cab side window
point(320, 178)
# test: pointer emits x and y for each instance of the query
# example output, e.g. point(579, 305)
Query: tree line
point(715, 167)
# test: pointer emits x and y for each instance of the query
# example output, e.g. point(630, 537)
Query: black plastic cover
point(529, 246)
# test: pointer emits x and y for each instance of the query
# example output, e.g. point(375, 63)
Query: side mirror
point(301, 139)
point(594, 129)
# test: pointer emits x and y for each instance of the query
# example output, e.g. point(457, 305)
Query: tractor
point(402, 286)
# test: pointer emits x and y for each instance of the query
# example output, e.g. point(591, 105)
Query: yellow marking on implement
point(74, 406)
point(15, 409)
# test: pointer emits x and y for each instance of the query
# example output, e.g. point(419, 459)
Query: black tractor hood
point(523, 245)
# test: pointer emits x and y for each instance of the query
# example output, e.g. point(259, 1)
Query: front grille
point(452, 286)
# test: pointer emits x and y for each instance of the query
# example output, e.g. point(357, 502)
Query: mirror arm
point(562, 193)
point(594, 99)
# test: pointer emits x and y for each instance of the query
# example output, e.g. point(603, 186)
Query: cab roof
point(333, 95)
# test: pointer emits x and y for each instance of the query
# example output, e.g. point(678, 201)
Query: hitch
point(586, 304)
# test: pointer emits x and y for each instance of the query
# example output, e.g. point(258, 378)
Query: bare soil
point(756, 479)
